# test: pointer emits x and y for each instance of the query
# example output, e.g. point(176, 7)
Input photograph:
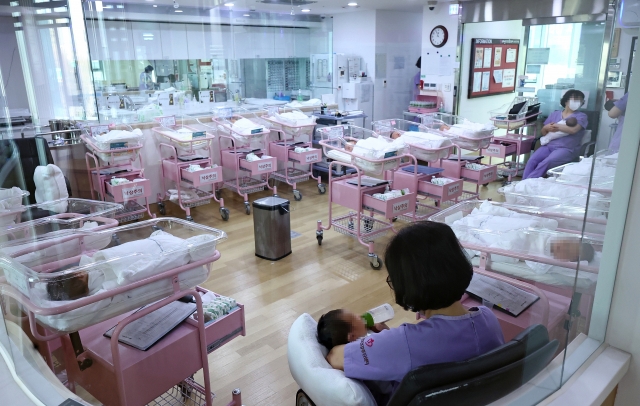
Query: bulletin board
point(493, 66)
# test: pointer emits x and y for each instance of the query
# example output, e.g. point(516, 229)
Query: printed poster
point(477, 77)
point(508, 78)
point(511, 55)
point(497, 75)
point(497, 57)
point(485, 81)
point(478, 60)
point(487, 58)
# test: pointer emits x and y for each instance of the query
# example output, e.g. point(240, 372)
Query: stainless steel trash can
point(272, 228)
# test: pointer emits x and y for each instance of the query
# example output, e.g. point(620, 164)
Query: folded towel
point(441, 181)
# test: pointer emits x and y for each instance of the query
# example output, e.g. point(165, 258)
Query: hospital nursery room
point(319, 203)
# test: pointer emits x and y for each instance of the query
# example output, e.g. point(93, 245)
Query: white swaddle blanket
point(376, 148)
point(247, 127)
point(308, 103)
point(424, 140)
point(470, 129)
point(50, 185)
point(295, 118)
point(10, 198)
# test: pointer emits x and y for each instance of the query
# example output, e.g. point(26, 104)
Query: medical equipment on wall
point(294, 147)
point(468, 136)
point(428, 181)
point(353, 91)
point(187, 164)
point(367, 153)
point(116, 169)
point(245, 155)
point(518, 118)
point(157, 263)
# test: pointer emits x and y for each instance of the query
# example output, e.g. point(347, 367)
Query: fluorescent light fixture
point(16, 14)
point(99, 7)
point(109, 6)
point(62, 21)
point(44, 22)
point(155, 5)
point(246, 15)
point(305, 10)
point(17, 24)
point(43, 11)
point(119, 6)
point(60, 10)
point(178, 11)
point(454, 9)
point(352, 4)
point(228, 4)
point(41, 1)
point(14, 4)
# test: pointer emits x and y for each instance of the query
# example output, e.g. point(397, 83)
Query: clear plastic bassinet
point(422, 149)
point(117, 270)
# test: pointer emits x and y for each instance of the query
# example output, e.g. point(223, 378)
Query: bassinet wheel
point(322, 189)
point(375, 262)
point(224, 213)
point(303, 400)
point(189, 218)
point(115, 239)
point(485, 185)
point(217, 193)
point(297, 195)
point(162, 209)
point(319, 236)
point(247, 208)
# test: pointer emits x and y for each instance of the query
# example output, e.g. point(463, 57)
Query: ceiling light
point(119, 6)
point(228, 4)
point(306, 10)
point(246, 15)
point(178, 11)
point(155, 5)
point(352, 4)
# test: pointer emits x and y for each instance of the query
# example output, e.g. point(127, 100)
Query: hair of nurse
point(339, 327)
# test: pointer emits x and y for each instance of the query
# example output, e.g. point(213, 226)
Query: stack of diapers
point(323, 384)
point(50, 185)
point(251, 157)
point(391, 194)
point(174, 194)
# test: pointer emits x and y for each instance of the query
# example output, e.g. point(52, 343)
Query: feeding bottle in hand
point(379, 314)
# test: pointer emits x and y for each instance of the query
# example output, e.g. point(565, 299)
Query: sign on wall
point(494, 64)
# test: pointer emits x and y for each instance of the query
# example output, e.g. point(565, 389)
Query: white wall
point(478, 109)
point(399, 39)
point(355, 34)
point(11, 70)
point(431, 19)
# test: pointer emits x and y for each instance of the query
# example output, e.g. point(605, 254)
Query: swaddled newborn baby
point(340, 326)
point(570, 122)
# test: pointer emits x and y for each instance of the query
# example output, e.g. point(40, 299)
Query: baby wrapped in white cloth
point(247, 127)
point(424, 140)
point(116, 136)
point(294, 118)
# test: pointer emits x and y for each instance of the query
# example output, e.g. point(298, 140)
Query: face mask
point(574, 104)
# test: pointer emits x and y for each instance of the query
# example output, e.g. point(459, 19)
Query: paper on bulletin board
point(478, 58)
point(487, 58)
point(509, 78)
point(511, 55)
point(497, 57)
point(447, 61)
point(477, 77)
point(497, 75)
point(485, 81)
point(430, 63)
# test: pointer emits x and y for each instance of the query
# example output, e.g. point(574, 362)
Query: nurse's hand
point(336, 357)
point(378, 327)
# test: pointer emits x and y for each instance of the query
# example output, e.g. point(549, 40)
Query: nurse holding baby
point(562, 136)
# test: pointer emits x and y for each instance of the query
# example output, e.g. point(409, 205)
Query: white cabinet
point(95, 42)
point(196, 38)
point(301, 42)
point(284, 43)
point(119, 41)
point(174, 41)
point(253, 42)
point(147, 40)
point(209, 42)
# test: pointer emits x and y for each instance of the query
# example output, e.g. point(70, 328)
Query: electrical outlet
point(447, 87)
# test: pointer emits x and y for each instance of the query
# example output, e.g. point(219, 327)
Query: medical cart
point(119, 159)
point(183, 148)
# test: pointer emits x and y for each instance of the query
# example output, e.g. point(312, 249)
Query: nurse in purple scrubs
point(561, 150)
point(428, 272)
point(416, 80)
point(618, 111)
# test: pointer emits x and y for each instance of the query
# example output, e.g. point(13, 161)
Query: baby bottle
point(379, 314)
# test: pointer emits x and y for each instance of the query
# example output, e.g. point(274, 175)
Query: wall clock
point(439, 36)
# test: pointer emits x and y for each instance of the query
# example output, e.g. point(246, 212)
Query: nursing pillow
point(324, 385)
point(50, 185)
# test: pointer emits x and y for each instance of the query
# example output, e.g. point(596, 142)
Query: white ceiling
point(326, 7)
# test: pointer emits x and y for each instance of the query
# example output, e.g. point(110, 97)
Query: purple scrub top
point(416, 82)
point(391, 354)
point(571, 142)
point(614, 145)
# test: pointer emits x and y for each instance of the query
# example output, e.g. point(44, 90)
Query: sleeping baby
point(570, 122)
point(340, 326)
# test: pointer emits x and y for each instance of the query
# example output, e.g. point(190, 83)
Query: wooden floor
point(314, 279)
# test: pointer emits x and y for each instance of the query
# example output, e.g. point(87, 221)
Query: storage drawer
point(259, 167)
point(499, 150)
point(393, 207)
point(308, 157)
point(204, 177)
point(482, 176)
point(450, 191)
point(129, 191)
